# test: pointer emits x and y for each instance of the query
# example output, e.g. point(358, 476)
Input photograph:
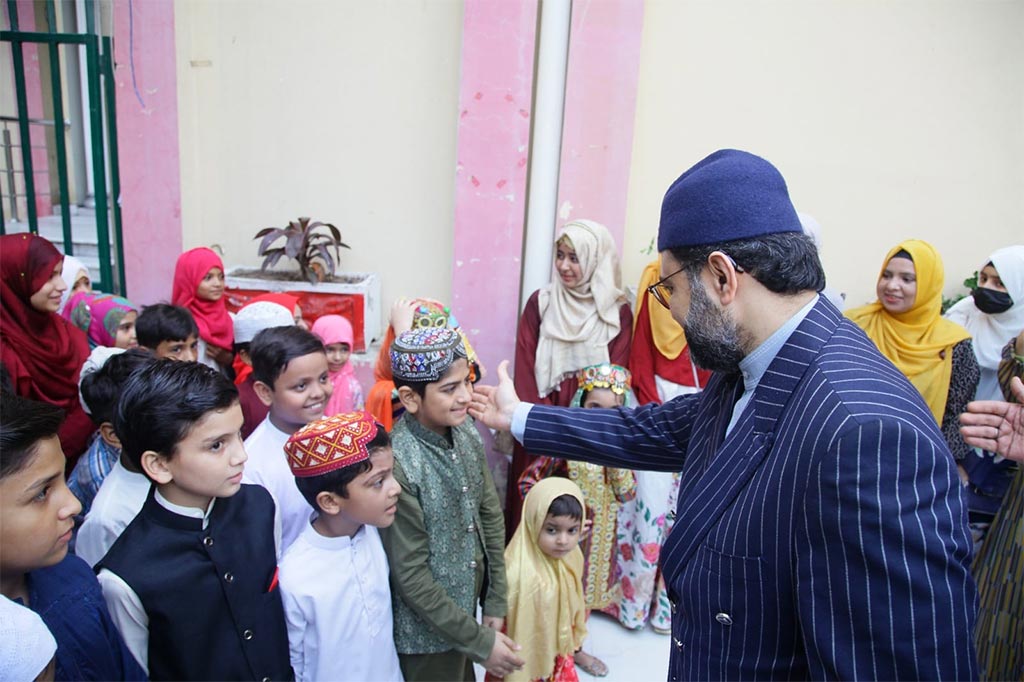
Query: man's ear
point(724, 276)
point(108, 435)
point(410, 399)
point(154, 465)
point(263, 392)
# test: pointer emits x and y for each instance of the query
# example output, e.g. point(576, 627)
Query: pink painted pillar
point(600, 106)
point(147, 137)
point(495, 101)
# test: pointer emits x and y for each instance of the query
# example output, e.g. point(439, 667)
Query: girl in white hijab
point(76, 276)
point(994, 314)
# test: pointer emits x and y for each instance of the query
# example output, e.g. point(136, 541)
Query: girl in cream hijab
point(544, 567)
point(581, 318)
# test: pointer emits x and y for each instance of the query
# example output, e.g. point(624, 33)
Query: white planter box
point(367, 288)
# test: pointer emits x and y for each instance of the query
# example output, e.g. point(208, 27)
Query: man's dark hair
point(101, 389)
point(164, 322)
point(272, 349)
point(337, 481)
point(566, 505)
point(163, 401)
point(23, 423)
point(784, 263)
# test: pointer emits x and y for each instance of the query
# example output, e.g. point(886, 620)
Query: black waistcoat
point(212, 614)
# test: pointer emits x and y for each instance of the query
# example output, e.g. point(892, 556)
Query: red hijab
point(211, 317)
point(42, 351)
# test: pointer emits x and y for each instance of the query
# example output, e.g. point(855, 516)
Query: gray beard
point(714, 340)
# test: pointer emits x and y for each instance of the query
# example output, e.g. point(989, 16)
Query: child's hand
point(493, 622)
point(503, 659)
point(402, 312)
point(587, 526)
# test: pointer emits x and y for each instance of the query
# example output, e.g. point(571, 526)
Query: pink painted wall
point(495, 102)
point(147, 135)
point(600, 106)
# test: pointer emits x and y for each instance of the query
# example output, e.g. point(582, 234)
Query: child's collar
point(190, 512)
point(421, 432)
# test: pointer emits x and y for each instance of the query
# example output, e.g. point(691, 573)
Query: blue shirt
point(91, 469)
point(68, 599)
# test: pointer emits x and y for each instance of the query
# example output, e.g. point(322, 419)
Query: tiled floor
point(631, 656)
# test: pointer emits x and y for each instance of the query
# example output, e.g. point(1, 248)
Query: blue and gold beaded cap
point(425, 354)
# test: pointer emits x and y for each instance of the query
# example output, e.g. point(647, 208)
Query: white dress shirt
point(337, 602)
point(119, 500)
point(268, 467)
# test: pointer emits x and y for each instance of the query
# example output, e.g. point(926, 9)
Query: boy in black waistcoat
point(192, 581)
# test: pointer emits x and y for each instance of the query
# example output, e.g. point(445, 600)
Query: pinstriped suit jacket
point(825, 537)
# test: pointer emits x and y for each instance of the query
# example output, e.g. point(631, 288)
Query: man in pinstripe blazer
point(820, 531)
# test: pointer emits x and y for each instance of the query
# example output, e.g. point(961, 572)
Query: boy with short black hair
point(446, 546)
point(124, 487)
point(169, 331)
point(334, 577)
point(192, 581)
point(289, 365)
point(250, 320)
point(35, 568)
point(100, 388)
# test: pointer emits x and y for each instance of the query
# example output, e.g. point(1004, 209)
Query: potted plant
point(315, 247)
point(303, 243)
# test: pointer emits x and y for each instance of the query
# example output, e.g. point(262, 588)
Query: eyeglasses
point(661, 293)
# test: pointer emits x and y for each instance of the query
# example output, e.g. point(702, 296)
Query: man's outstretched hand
point(493, 405)
point(995, 425)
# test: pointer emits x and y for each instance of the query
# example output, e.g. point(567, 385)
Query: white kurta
point(337, 602)
point(118, 501)
point(268, 466)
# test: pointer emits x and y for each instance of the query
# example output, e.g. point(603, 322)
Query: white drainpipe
point(546, 146)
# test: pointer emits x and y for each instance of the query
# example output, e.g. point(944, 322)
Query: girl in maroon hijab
point(42, 352)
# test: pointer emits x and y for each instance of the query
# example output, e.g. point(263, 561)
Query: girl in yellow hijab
point(547, 614)
point(907, 326)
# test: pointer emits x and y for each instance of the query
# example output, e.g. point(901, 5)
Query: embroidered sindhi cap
point(727, 196)
point(331, 443)
point(424, 355)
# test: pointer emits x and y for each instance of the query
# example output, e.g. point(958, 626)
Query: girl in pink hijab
point(336, 333)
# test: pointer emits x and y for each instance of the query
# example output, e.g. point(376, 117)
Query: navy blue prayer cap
point(728, 195)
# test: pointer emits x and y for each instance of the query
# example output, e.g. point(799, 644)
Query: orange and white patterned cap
point(331, 443)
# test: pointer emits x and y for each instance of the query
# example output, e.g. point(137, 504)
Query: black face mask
point(991, 301)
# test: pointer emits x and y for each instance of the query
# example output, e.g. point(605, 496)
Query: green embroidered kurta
point(447, 543)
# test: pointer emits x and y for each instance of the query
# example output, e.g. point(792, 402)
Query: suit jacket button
point(472, 564)
point(672, 605)
point(208, 541)
point(247, 635)
point(679, 645)
point(723, 618)
point(229, 577)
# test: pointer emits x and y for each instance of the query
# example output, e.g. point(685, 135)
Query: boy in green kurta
point(446, 546)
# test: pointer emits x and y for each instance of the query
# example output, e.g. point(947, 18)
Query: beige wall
point(889, 120)
point(344, 111)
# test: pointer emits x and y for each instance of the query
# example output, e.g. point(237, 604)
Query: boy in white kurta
point(334, 577)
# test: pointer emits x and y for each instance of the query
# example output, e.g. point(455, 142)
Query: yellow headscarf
point(668, 335)
point(919, 342)
point(546, 612)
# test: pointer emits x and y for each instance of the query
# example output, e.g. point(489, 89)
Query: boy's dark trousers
point(447, 666)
